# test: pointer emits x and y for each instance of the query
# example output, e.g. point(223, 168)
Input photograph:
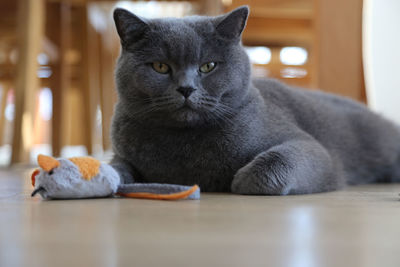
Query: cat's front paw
point(267, 174)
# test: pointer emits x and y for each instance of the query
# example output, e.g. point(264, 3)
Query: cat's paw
point(267, 174)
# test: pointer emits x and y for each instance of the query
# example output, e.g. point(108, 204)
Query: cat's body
point(250, 137)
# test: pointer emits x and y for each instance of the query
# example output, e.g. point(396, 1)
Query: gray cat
point(189, 113)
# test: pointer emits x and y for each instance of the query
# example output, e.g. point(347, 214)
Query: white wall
point(381, 52)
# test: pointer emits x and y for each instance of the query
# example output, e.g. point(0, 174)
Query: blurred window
point(292, 55)
point(259, 54)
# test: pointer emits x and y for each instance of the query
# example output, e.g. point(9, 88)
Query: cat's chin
point(186, 114)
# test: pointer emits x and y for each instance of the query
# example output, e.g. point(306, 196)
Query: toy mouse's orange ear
point(33, 176)
point(47, 163)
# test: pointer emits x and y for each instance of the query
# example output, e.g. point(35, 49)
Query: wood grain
point(338, 43)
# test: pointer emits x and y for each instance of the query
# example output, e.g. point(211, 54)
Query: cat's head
point(182, 72)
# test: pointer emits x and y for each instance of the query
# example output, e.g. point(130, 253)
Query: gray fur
point(232, 133)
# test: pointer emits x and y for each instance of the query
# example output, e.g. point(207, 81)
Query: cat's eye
point(160, 67)
point(208, 67)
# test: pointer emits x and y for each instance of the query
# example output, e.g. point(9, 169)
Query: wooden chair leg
point(94, 84)
point(4, 93)
point(30, 33)
point(60, 19)
point(87, 94)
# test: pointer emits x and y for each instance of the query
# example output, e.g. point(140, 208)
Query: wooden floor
point(359, 226)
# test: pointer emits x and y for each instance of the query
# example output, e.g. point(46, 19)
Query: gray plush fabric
point(226, 132)
point(66, 182)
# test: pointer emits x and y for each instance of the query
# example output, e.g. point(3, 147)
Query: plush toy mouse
point(86, 177)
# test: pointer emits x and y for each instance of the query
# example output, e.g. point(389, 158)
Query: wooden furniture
point(82, 52)
point(329, 30)
point(338, 42)
point(30, 36)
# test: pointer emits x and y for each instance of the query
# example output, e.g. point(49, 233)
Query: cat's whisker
point(213, 111)
point(219, 114)
point(216, 111)
point(139, 113)
point(209, 100)
point(153, 107)
point(213, 118)
point(161, 99)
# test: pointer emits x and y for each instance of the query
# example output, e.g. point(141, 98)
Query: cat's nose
point(186, 91)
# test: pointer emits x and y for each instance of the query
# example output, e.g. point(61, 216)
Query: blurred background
point(57, 58)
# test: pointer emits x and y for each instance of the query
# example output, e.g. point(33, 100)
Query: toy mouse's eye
point(51, 172)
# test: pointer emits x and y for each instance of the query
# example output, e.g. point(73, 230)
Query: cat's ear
point(232, 24)
point(129, 26)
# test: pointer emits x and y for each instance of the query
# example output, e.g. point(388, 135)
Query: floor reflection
point(302, 235)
